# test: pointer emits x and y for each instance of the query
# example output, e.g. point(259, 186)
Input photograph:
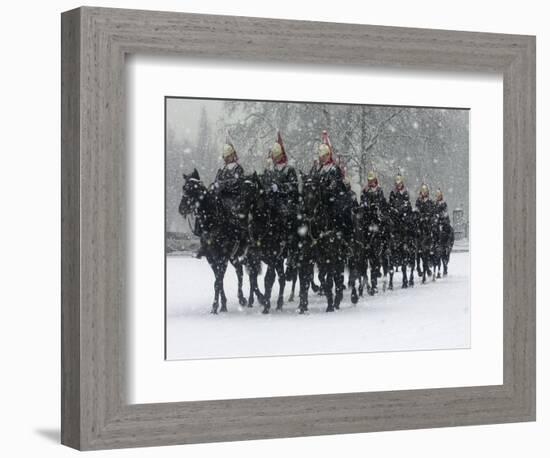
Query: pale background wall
point(29, 229)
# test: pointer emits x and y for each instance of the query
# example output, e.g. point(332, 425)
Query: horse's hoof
point(291, 298)
point(223, 309)
point(250, 303)
point(280, 302)
point(404, 286)
point(390, 287)
point(354, 299)
point(265, 311)
point(329, 309)
point(242, 301)
point(214, 311)
point(438, 275)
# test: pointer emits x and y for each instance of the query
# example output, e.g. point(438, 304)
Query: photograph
point(303, 228)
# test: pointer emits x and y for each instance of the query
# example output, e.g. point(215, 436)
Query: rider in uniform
point(227, 187)
point(375, 205)
point(283, 184)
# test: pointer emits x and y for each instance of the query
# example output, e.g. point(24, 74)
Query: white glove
point(274, 187)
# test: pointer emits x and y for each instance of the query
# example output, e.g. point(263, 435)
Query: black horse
point(328, 227)
point(221, 234)
point(403, 243)
point(427, 233)
point(307, 243)
point(375, 230)
point(444, 241)
point(357, 256)
point(267, 237)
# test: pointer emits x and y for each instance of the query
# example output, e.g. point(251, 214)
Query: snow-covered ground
point(427, 317)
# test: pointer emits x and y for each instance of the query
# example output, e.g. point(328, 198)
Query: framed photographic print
point(341, 216)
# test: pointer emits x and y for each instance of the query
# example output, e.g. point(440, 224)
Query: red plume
point(280, 142)
point(325, 139)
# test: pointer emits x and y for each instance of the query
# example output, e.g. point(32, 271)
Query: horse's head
point(193, 192)
point(250, 193)
point(310, 193)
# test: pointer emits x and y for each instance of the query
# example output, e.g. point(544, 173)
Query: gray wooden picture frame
point(95, 412)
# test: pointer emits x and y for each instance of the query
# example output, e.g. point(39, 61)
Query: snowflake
point(415, 125)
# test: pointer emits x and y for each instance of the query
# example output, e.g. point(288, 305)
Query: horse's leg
point(253, 271)
point(339, 285)
point(392, 268)
point(328, 290)
point(253, 280)
point(293, 287)
point(411, 266)
point(424, 265)
point(353, 275)
point(239, 270)
point(322, 279)
point(446, 261)
point(363, 278)
point(374, 274)
point(215, 304)
point(306, 274)
point(405, 283)
point(223, 269)
point(269, 279)
point(314, 286)
point(280, 269)
point(440, 261)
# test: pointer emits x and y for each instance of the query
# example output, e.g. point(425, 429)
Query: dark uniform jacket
point(285, 180)
point(227, 187)
point(399, 200)
point(426, 210)
point(228, 179)
point(374, 202)
point(440, 208)
point(333, 194)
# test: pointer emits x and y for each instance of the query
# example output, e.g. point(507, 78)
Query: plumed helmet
point(228, 150)
point(439, 194)
point(324, 150)
point(424, 191)
point(372, 179)
point(399, 179)
point(278, 153)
